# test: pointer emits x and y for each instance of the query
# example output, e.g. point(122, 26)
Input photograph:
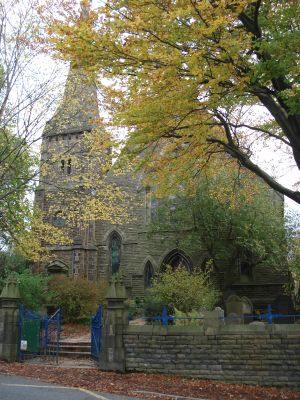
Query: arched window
point(177, 258)
point(148, 274)
point(115, 253)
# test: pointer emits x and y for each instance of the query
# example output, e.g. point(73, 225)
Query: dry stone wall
point(251, 355)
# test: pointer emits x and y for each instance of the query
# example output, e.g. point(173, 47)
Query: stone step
point(83, 344)
point(74, 354)
point(67, 342)
point(73, 349)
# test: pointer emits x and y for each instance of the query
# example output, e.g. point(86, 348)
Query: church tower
point(64, 155)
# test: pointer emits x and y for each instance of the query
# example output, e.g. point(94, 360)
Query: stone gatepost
point(9, 321)
point(112, 356)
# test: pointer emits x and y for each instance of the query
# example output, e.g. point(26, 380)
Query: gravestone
point(247, 306)
point(213, 321)
point(238, 307)
point(234, 305)
point(258, 324)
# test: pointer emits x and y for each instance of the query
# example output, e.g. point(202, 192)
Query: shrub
point(183, 318)
point(183, 290)
point(148, 307)
point(153, 305)
point(78, 298)
point(135, 308)
point(33, 289)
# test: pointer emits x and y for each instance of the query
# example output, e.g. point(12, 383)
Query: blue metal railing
point(52, 334)
point(269, 316)
point(96, 333)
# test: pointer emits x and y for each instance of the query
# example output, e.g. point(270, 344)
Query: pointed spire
point(85, 7)
point(78, 110)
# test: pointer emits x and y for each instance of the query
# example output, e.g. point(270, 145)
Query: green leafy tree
point(16, 171)
point(11, 262)
point(247, 223)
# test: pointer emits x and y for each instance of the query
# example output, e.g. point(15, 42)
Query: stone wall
point(246, 354)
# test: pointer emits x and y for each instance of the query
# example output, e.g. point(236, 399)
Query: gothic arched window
point(177, 258)
point(148, 274)
point(115, 253)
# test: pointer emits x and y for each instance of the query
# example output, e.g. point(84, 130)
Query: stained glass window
point(149, 273)
point(115, 251)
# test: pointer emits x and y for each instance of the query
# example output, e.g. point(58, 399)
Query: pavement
point(16, 388)
point(63, 362)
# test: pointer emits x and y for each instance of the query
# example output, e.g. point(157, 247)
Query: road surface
point(19, 388)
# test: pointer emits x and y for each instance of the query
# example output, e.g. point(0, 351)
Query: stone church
point(102, 248)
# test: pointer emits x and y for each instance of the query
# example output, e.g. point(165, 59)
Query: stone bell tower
point(64, 155)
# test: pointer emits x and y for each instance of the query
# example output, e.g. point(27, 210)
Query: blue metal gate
point(52, 335)
point(96, 331)
point(39, 335)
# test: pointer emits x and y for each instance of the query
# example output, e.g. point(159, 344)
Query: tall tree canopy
point(200, 79)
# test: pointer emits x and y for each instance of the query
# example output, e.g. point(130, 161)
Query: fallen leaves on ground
point(74, 330)
point(133, 384)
